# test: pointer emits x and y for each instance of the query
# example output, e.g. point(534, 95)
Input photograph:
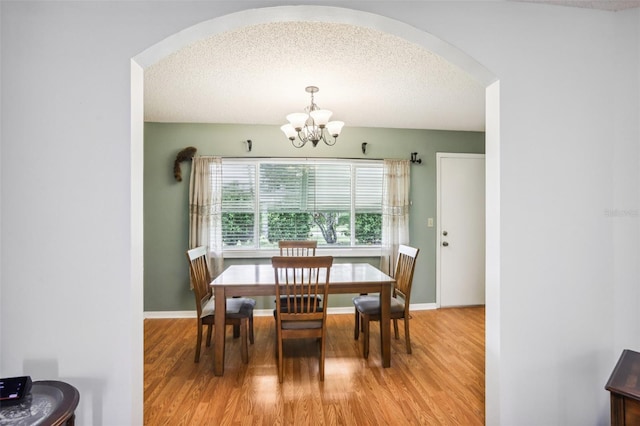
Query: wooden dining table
point(259, 280)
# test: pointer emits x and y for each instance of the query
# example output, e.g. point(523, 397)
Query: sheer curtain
point(205, 209)
point(395, 211)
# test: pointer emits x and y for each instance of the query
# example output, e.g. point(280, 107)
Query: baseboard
point(168, 314)
point(423, 306)
point(269, 312)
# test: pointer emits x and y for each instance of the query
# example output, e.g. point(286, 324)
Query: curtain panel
point(395, 211)
point(205, 209)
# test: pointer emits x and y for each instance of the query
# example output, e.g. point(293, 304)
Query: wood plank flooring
point(440, 383)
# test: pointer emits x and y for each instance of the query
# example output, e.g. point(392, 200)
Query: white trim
point(339, 310)
point(492, 343)
point(269, 312)
point(169, 314)
point(423, 307)
point(345, 252)
point(136, 259)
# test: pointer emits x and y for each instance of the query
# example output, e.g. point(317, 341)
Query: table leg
point(385, 325)
point(219, 331)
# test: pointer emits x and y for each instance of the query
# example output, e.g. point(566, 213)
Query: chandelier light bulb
point(298, 120)
point(321, 117)
point(334, 128)
point(289, 131)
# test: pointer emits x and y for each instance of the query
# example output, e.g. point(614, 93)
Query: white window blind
point(305, 187)
point(265, 201)
point(239, 202)
point(368, 194)
point(238, 187)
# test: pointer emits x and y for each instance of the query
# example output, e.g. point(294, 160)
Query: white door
point(460, 269)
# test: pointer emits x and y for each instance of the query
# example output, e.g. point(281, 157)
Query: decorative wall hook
point(249, 145)
point(415, 159)
point(364, 147)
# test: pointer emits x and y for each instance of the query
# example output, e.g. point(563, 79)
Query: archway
point(332, 15)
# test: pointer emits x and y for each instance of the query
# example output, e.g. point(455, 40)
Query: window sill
point(320, 251)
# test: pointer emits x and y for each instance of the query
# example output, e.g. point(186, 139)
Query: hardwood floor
point(441, 383)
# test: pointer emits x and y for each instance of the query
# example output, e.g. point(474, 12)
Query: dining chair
point(297, 247)
point(301, 280)
point(367, 307)
point(239, 310)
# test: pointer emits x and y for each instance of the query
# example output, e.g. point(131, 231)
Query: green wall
point(166, 274)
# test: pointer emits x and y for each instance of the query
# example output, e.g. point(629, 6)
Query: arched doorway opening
point(333, 15)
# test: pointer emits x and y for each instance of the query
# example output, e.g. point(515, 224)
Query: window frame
point(336, 251)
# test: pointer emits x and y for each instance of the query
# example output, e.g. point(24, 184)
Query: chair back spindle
point(297, 247)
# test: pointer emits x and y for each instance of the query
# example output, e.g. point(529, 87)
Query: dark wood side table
point(624, 386)
point(50, 403)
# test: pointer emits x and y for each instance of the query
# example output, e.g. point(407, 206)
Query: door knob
point(445, 233)
point(444, 243)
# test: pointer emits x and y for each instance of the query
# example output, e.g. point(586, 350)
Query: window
point(265, 201)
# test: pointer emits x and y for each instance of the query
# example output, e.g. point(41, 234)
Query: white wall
point(568, 156)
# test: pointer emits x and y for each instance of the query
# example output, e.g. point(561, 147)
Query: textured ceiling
point(258, 75)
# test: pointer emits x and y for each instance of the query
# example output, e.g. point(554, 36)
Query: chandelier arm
point(299, 144)
point(322, 137)
point(328, 141)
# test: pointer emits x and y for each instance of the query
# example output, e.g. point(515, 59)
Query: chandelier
point(312, 125)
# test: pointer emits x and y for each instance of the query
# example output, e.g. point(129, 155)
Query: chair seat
point(237, 307)
point(370, 305)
